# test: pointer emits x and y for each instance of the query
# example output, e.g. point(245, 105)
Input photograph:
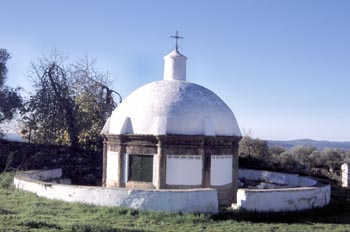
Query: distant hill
point(309, 142)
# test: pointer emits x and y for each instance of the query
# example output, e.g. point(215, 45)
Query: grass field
point(21, 211)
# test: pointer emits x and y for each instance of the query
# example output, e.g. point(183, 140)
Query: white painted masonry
point(112, 165)
point(175, 66)
point(186, 201)
point(173, 107)
point(184, 170)
point(291, 180)
point(310, 194)
point(221, 170)
point(303, 192)
point(165, 109)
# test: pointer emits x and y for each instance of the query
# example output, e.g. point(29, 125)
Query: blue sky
point(283, 67)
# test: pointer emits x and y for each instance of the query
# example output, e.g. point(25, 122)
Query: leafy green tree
point(302, 154)
point(332, 158)
point(346, 156)
point(328, 158)
point(50, 109)
point(276, 150)
point(297, 158)
point(10, 99)
point(93, 99)
point(288, 162)
point(253, 148)
point(70, 103)
point(4, 57)
point(316, 159)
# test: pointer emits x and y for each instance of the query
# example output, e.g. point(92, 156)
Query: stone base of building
point(176, 162)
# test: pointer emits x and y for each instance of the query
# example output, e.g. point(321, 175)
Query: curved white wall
point(291, 180)
point(186, 201)
point(303, 192)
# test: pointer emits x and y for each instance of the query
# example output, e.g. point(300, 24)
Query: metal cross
point(177, 37)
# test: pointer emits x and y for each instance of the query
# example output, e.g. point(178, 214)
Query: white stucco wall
point(277, 200)
point(292, 180)
point(221, 170)
point(184, 170)
point(112, 165)
point(186, 201)
point(310, 193)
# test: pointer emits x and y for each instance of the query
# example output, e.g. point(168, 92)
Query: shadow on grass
point(99, 228)
point(40, 224)
point(5, 211)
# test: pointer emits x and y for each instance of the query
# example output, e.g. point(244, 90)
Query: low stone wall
point(185, 201)
point(304, 193)
point(84, 164)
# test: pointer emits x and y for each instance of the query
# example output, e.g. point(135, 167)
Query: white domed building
point(172, 146)
point(172, 134)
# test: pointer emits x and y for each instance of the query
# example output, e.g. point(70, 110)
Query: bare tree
point(10, 99)
point(70, 102)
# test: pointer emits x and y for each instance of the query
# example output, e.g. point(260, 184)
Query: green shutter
point(141, 168)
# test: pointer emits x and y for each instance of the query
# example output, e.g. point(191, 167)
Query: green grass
point(22, 211)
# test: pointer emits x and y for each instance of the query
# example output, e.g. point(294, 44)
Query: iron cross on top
point(177, 37)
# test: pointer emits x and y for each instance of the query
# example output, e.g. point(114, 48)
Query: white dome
point(172, 107)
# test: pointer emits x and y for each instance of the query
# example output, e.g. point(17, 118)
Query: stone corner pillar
point(104, 163)
point(234, 174)
point(206, 166)
point(161, 166)
point(121, 153)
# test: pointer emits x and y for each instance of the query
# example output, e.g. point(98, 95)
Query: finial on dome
point(175, 63)
point(176, 37)
point(175, 66)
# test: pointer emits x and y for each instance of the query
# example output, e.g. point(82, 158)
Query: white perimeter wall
point(291, 180)
point(186, 201)
point(221, 170)
point(310, 193)
point(112, 165)
point(184, 170)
